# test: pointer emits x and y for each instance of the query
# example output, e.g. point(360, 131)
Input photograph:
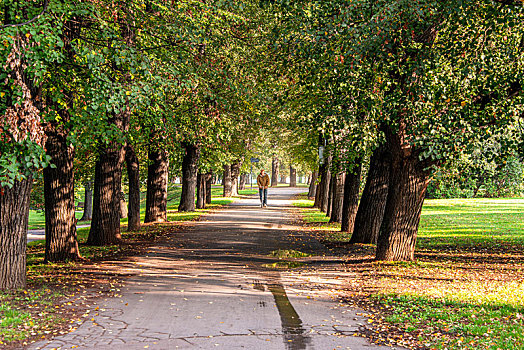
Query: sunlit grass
point(465, 291)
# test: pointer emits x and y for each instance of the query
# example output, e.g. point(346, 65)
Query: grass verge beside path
point(464, 291)
point(58, 296)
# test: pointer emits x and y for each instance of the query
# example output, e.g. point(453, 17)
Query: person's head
point(262, 172)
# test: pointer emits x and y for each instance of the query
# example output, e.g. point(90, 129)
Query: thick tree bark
point(157, 179)
point(133, 173)
point(313, 185)
point(59, 194)
point(350, 203)
point(105, 226)
point(14, 215)
point(235, 173)
point(292, 176)
point(407, 188)
point(88, 201)
point(189, 177)
point(226, 181)
point(275, 165)
point(373, 202)
point(338, 198)
point(325, 186)
point(209, 177)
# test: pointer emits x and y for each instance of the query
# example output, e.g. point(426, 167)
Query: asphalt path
point(39, 234)
point(214, 286)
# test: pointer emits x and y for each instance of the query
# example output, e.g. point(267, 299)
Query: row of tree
point(409, 85)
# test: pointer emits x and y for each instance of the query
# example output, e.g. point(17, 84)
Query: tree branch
point(44, 9)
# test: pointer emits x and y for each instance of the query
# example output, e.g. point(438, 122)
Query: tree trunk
point(313, 185)
point(350, 203)
point(331, 193)
point(59, 194)
point(243, 180)
point(189, 177)
point(235, 172)
point(338, 198)
point(88, 201)
point(226, 181)
point(133, 173)
point(407, 188)
point(201, 191)
point(274, 172)
point(14, 216)
point(209, 181)
point(326, 186)
point(319, 195)
point(123, 205)
point(373, 202)
point(105, 226)
point(292, 176)
point(157, 179)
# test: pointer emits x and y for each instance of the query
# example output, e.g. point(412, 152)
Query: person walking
point(263, 184)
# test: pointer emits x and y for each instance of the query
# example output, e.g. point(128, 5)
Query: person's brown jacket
point(263, 181)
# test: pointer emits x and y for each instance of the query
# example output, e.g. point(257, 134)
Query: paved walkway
point(209, 287)
point(38, 234)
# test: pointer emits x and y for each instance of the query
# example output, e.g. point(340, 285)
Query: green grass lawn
point(465, 291)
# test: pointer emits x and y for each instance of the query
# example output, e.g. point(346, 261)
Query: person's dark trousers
point(262, 192)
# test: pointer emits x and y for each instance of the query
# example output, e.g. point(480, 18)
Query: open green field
point(464, 291)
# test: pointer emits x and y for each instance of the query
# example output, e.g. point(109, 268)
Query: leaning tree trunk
point(313, 185)
point(14, 215)
point(407, 188)
point(350, 203)
point(324, 203)
point(209, 181)
point(88, 201)
point(235, 172)
point(201, 191)
point(189, 177)
point(338, 198)
point(292, 177)
point(59, 195)
point(157, 178)
point(226, 181)
point(274, 171)
point(373, 202)
point(133, 173)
